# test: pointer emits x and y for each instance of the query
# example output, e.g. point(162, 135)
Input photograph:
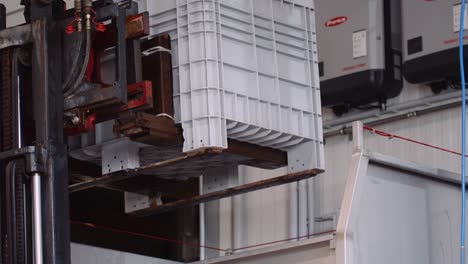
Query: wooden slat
point(250, 187)
point(151, 169)
point(259, 156)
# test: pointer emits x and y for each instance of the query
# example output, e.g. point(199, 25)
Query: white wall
point(82, 254)
point(439, 128)
point(266, 213)
point(318, 250)
point(262, 209)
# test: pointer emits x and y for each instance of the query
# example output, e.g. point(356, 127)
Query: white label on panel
point(456, 18)
point(360, 44)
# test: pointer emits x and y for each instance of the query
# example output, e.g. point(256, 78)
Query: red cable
point(390, 136)
point(284, 240)
point(192, 244)
point(146, 236)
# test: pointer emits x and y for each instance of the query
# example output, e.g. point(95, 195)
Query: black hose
point(84, 67)
point(69, 86)
point(74, 67)
point(81, 75)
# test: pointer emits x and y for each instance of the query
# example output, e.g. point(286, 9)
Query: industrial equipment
point(359, 52)
point(91, 100)
point(430, 43)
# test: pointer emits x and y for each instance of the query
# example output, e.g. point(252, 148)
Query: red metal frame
point(88, 124)
point(143, 94)
point(145, 100)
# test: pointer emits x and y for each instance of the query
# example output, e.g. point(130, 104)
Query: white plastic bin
point(243, 69)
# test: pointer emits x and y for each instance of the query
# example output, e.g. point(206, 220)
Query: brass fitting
point(88, 21)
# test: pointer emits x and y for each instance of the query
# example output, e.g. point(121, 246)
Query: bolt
point(76, 120)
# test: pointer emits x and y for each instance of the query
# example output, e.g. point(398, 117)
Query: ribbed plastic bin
point(243, 69)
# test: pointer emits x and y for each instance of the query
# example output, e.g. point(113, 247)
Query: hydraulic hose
point(74, 70)
point(70, 86)
point(79, 79)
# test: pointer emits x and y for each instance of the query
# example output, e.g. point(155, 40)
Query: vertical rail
point(202, 224)
point(37, 218)
point(2, 26)
point(48, 115)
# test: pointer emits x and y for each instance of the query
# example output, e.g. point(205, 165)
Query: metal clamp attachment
point(31, 156)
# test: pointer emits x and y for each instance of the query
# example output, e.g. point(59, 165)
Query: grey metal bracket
point(220, 179)
point(135, 202)
point(120, 155)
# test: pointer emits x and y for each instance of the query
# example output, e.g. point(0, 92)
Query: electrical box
point(359, 45)
point(430, 37)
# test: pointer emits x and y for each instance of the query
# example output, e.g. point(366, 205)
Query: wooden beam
point(263, 157)
point(151, 169)
point(137, 26)
point(157, 67)
point(150, 129)
point(250, 187)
